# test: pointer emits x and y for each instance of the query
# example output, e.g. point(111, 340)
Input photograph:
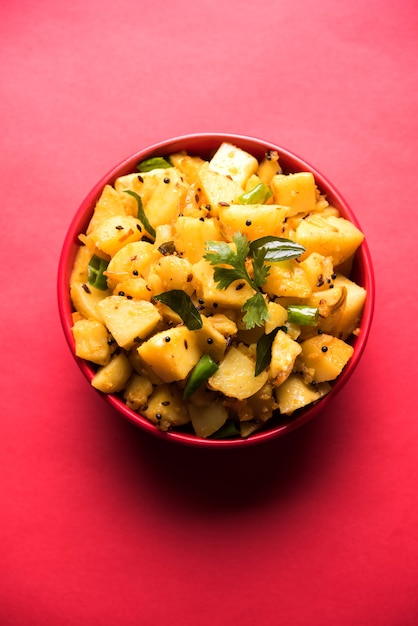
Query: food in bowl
point(212, 293)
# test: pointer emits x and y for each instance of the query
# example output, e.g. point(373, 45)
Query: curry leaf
point(181, 304)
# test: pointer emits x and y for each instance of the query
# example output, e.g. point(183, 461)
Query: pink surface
point(103, 524)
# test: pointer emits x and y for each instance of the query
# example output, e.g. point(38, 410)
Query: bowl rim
point(168, 146)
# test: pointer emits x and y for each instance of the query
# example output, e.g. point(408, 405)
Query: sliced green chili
point(302, 315)
point(203, 370)
point(258, 195)
point(229, 429)
point(95, 269)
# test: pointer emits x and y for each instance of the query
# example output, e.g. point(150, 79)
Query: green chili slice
point(153, 163)
point(203, 370)
point(302, 315)
point(229, 429)
point(95, 275)
point(258, 195)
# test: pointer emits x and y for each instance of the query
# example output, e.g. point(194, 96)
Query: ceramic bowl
point(204, 145)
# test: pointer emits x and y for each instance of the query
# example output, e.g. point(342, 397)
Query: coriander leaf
point(256, 313)
point(141, 213)
point(152, 164)
point(224, 276)
point(221, 254)
point(181, 304)
point(276, 249)
point(261, 271)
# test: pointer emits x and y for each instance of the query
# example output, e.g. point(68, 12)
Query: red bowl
point(204, 144)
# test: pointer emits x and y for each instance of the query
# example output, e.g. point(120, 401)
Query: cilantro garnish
point(231, 265)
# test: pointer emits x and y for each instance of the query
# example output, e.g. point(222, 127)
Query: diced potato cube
point(217, 188)
point(167, 199)
point(128, 320)
point(135, 287)
point(175, 273)
point(165, 407)
point(319, 269)
point(284, 351)
point(109, 205)
point(171, 354)
point(164, 236)
point(137, 391)
point(114, 233)
point(134, 259)
point(252, 220)
point(231, 161)
point(79, 272)
point(277, 316)
point(210, 340)
point(113, 377)
point(85, 299)
point(331, 305)
point(297, 191)
point(330, 236)
point(188, 165)
point(323, 357)
point(287, 278)
point(191, 235)
point(235, 376)
point(206, 420)
point(354, 303)
point(142, 183)
point(263, 403)
point(91, 341)
point(224, 324)
point(251, 182)
point(294, 394)
point(269, 167)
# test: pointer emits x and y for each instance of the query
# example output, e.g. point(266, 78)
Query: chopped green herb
point(95, 275)
point(153, 163)
point(256, 312)
point(141, 213)
point(181, 304)
point(271, 249)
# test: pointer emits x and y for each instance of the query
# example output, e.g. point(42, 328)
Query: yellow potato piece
point(235, 377)
point(295, 394)
point(171, 354)
point(128, 320)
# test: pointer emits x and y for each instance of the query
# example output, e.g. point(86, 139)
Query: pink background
point(101, 524)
